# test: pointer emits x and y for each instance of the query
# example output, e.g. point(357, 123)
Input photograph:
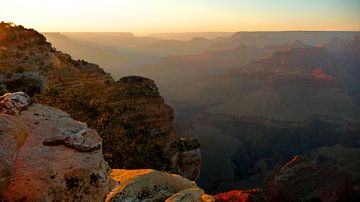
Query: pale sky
point(149, 16)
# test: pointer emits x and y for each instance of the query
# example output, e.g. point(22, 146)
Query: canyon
point(241, 108)
point(30, 64)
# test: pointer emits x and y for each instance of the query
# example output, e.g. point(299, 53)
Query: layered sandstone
point(29, 63)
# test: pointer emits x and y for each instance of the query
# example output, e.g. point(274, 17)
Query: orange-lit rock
point(152, 185)
point(255, 195)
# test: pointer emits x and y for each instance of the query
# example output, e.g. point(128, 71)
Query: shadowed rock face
point(299, 180)
point(303, 180)
point(142, 97)
point(261, 114)
point(185, 157)
point(33, 171)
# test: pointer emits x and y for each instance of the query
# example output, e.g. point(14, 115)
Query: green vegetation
point(126, 144)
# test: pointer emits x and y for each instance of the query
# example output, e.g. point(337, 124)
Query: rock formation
point(142, 96)
point(303, 180)
point(32, 171)
point(152, 185)
point(47, 156)
point(185, 157)
point(28, 63)
point(299, 180)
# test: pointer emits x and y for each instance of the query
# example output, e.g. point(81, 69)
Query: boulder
point(151, 185)
point(32, 169)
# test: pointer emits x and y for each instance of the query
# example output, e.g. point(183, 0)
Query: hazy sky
point(146, 16)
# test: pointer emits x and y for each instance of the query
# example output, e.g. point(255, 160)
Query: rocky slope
point(29, 63)
point(47, 156)
point(299, 180)
point(303, 180)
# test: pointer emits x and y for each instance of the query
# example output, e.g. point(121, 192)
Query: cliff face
point(28, 63)
point(26, 56)
point(143, 97)
point(47, 156)
point(303, 180)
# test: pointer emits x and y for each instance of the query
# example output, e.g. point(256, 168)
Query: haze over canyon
point(180, 101)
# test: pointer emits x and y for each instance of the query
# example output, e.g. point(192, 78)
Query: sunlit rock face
point(152, 185)
point(31, 170)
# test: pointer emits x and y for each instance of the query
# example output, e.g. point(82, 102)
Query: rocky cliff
point(29, 63)
point(303, 180)
point(47, 156)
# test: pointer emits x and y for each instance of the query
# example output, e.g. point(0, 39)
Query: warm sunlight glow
point(143, 16)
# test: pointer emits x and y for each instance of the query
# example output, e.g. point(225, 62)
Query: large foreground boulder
point(46, 156)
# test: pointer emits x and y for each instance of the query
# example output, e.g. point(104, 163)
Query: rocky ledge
point(45, 155)
point(30, 64)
